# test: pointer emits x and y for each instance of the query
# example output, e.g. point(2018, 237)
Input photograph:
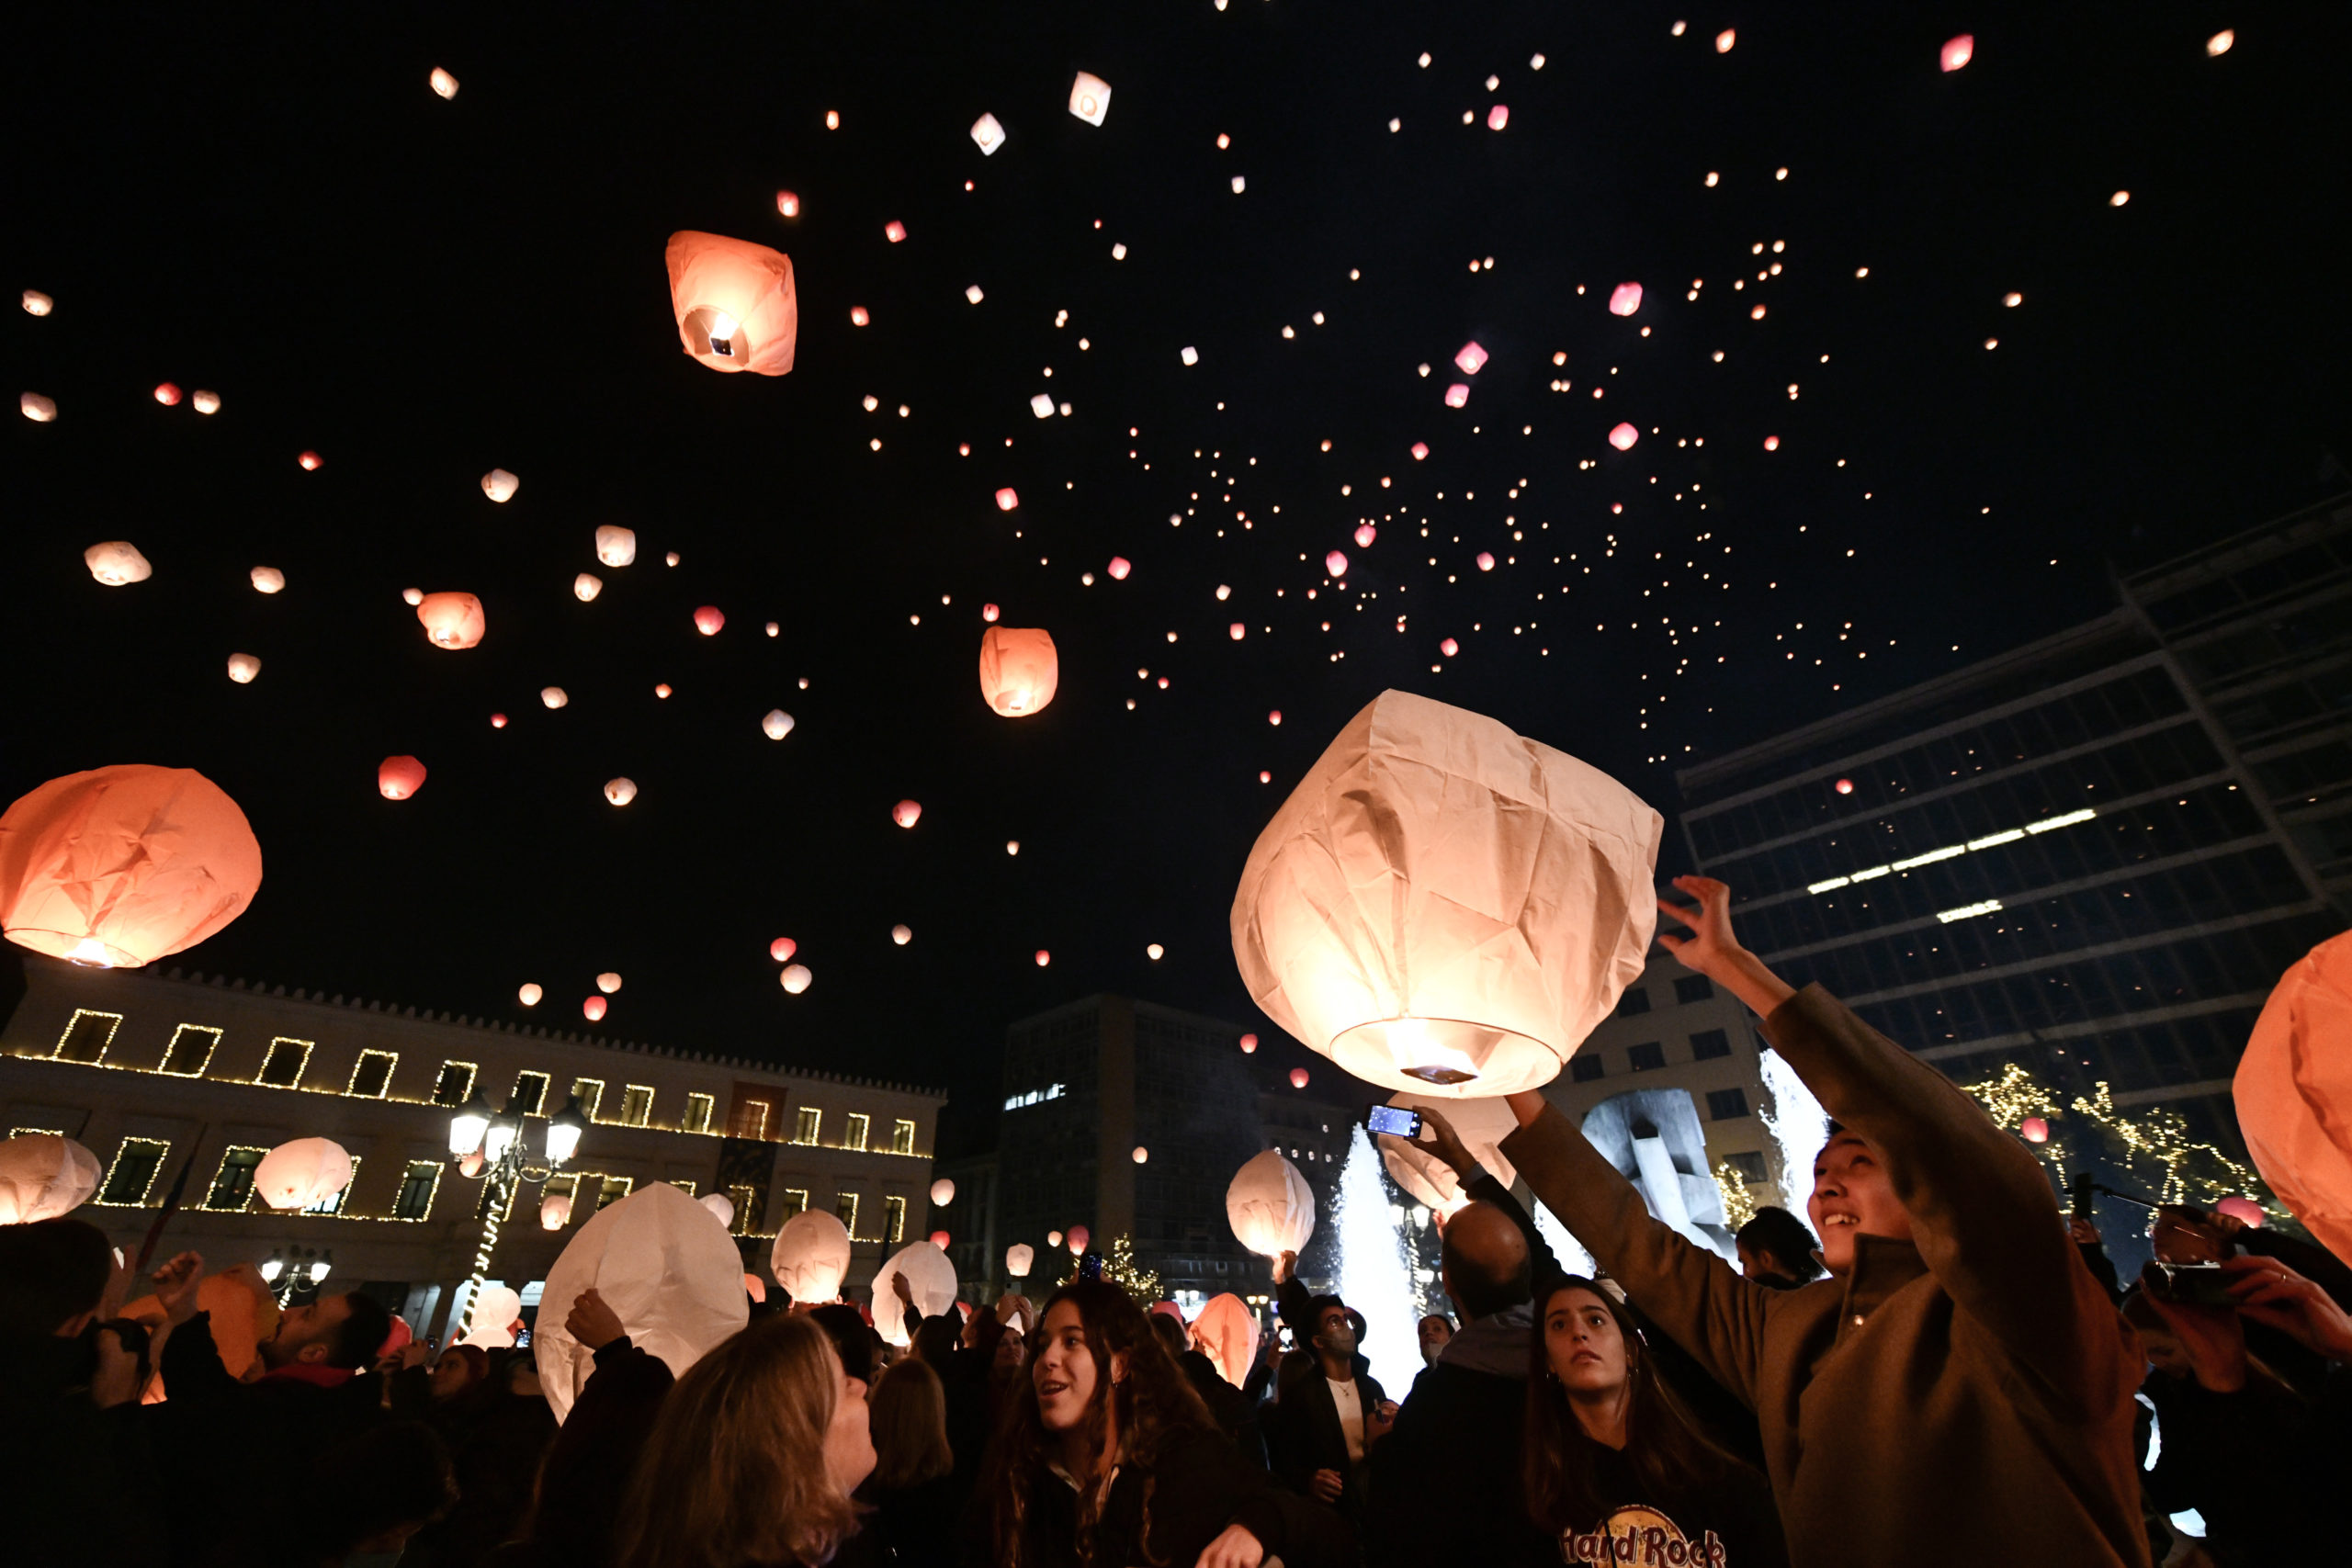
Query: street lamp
point(300, 1267)
point(498, 1139)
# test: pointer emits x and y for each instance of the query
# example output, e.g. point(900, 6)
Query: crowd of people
point(1940, 1369)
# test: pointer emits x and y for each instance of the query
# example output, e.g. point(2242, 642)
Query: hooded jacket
point(1965, 1396)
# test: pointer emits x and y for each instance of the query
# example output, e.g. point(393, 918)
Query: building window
point(1710, 1043)
point(746, 1201)
point(1750, 1166)
point(683, 1185)
point(87, 1036)
point(1635, 1002)
point(35, 1133)
point(333, 1202)
point(750, 1119)
point(530, 1096)
point(1693, 988)
point(589, 1093)
point(232, 1184)
point(902, 1137)
point(418, 1184)
point(804, 1124)
point(565, 1186)
point(372, 1075)
point(894, 1219)
point(190, 1051)
point(795, 1201)
point(637, 1105)
point(1584, 1066)
point(698, 1113)
point(455, 1084)
point(1726, 1104)
point(133, 1172)
point(282, 1066)
point(854, 1136)
point(845, 1211)
point(1647, 1058)
point(616, 1188)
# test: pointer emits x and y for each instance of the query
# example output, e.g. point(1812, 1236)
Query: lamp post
point(498, 1137)
point(290, 1272)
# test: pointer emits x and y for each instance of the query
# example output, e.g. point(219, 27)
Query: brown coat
point(1964, 1398)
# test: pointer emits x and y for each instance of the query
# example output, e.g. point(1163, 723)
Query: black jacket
point(79, 1484)
point(1308, 1437)
point(1445, 1481)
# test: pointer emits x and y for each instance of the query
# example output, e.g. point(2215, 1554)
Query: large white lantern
point(673, 1278)
point(1270, 1205)
point(496, 1309)
point(1481, 1124)
point(989, 133)
point(1444, 906)
point(302, 1173)
point(943, 1192)
point(43, 1176)
point(500, 485)
point(116, 563)
point(734, 302)
point(1090, 97)
point(810, 1255)
point(929, 1276)
point(615, 546)
point(1019, 1259)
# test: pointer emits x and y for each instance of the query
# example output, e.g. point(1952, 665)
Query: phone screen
point(1396, 1118)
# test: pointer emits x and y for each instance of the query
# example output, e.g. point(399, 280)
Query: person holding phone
point(1326, 1423)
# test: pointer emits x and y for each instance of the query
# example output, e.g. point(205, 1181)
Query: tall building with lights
point(2091, 856)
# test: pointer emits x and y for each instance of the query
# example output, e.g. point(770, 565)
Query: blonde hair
point(908, 1414)
point(734, 1471)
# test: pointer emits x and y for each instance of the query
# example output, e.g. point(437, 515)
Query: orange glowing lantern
point(2034, 1130)
point(620, 792)
point(943, 1192)
point(901, 935)
point(734, 302)
point(205, 401)
point(1298, 1077)
point(1019, 672)
point(1497, 117)
point(1485, 559)
point(266, 579)
point(243, 668)
point(555, 1211)
point(1449, 648)
point(1457, 395)
point(708, 620)
point(452, 620)
point(397, 778)
point(116, 563)
point(1270, 1205)
point(167, 394)
point(1336, 563)
point(500, 485)
point(586, 586)
point(1249, 1044)
point(1471, 358)
point(553, 697)
point(1119, 568)
point(1365, 534)
point(1079, 1236)
point(1623, 437)
point(593, 1010)
point(1237, 631)
point(303, 1173)
point(529, 993)
point(1007, 499)
point(907, 813)
point(43, 1176)
point(1625, 299)
point(1959, 52)
point(608, 982)
point(1227, 1332)
point(782, 949)
point(1444, 906)
point(310, 461)
point(776, 724)
point(34, 407)
point(2294, 1092)
point(1044, 958)
point(787, 203)
point(1019, 1259)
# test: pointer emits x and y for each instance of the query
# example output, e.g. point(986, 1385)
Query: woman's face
point(1008, 1350)
point(1064, 1372)
point(451, 1375)
point(1582, 1343)
point(849, 1441)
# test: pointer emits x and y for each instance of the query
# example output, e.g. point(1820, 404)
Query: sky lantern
point(1119, 568)
point(1724, 39)
point(444, 85)
point(2034, 1130)
point(116, 563)
point(776, 724)
point(36, 303)
point(397, 778)
point(1298, 1077)
point(1188, 355)
point(1482, 1125)
point(795, 978)
point(1470, 357)
point(721, 1208)
point(1959, 52)
point(940, 1240)
point(302, 1173)
point(615, 546)
point(1007, 499)
point(1078, 1238)
point(500, 485)
point(452, 620)
point(243, 668)
point(1449, 648)
point(857, 316)
point(907, 813)
point(1275, 718)
point(734, 302)
point(1623, 437)
point(620, 792)
point(1227, 1332)
point(1845, 787)
point(1457, 395)
point(204, 401)
point(1249, 1044)
point(931, 1279)
point(674, 1279)
point(44, 1176)
point(1420, 451)
point(708, 620)
point(1497, 117)
point(1237, 631)
point(787, 203)
point(2244, 1210)
point(1771, 444)
point(1019, 1259)
point(529, 993)
point(782, 949)
point(1485, 560)
point(1139, 1154)
point(894, 231)
point(586, 586)
point(310, 461)
point(554, 697)
point(2294, 1092)
point(608, 982)
point(412, 597)
point(943, 1192)
point(266, 579)
point(555, 1211)
point(1053, 1238)
point(1090, 97)
point(1444, 906)
point(1336, 563)
point(987, 134)
point(1020, 670)
point(34, 407)
point(593, 1008)
point(1365, 534)
point(1269, 1206)
point(901, 935)
point(2218, 44)
point(1625, 299)
point(167, 394)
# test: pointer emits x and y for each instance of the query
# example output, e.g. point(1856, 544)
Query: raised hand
point(1712, 950)
point(2270, 1292)
point(593, 1323)
point(175, 1284)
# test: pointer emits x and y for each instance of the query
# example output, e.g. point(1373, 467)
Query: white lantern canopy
point(1444, 906)
point(1482, 1125)
point(444, 84)
point(496, 1309)
point(586, 586)
point(615, 546)
point(205, 400)
point(794, 978)
point(555, 1211)
point(267, 580)
point(303, 1173)
point(37, 303)
point(673, 1278)
point(620, 792)
point(1270, 1205)
point(929, 1276)
point(734, 302)
point(943, 1192)
point(810, 1255)
point(776, 725)
point(1019, 1259)
point(117, 562)
point(988, 133)
point(500, 485)
point(37, 409)
point(553, 697)
point(721, 1206)
point(243, 668)
point(1090, 97)
point(43, 1176)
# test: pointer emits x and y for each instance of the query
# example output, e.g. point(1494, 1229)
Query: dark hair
point(1476, 1287)
point(51, 1271)
point(382, 1477)
point(1154, 1400)
point(358, 1338)
point(1170, 1332)
point(1663, 1444)
point(853, 1341)
point(934, 1339)
point(907, 1415)
point(1782, 1237)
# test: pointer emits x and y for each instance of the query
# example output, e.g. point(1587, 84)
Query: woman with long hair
point(913, 1490)
point(1106, 1456)
point(752, 1458)
point(1616, 1471)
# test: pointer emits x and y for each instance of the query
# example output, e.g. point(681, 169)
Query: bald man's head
point(1485, 1261)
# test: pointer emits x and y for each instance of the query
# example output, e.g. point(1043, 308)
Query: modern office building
point(157, 1072)
point(2091, 856)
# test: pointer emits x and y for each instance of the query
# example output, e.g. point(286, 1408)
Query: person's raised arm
point(1290, 1300)
point(1481, 1184)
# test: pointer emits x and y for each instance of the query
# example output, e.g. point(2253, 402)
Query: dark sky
point(277, 208)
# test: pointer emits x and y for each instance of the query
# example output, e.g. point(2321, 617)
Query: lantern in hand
point(1446, 907)
point(734, 302)
point(2294, 1092)
point(1019, 669)
point(930, 1278)
point(1270, 1205)
point(810, 1255)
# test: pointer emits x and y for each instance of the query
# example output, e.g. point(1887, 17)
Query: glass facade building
point(2092, 856)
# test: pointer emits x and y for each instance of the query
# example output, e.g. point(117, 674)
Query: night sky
point(277, 208)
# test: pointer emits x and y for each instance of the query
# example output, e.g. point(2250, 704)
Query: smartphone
point(1401, 1119)
point(2194, 1284)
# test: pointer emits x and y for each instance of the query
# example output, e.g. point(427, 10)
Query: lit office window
point(804, 1124)
point(530, 1096)
point(698, 1113)
point(372, 1075)
point(418, 1184)
point(637, 1105)
point(455, 1084)
point(190, 1051)
point(616, 1188)
point(282, 1066)
point(232, 1184)
point(133, 1172)
point(854, 1137)
point(87, 1036)
point(589, 1093)
point(845, 1211)
point(902, 1137)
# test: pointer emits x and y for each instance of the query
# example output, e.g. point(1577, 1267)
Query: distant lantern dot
point(1713, 178)
point(2013, 298)
point(1249, 1044)
point(1756, 314)
point(1779, 174)
point(1013, 846)
point(661, 689)
point(1275, 716)
point(1724, 39)
point(1845, 787)
point(2220, 42)
point(529, 993)
point(311, 460)
point(593, 1010)
point(1265, 777)
point(894, 231)
point(412, 596)
point(444, 85)
point(832, 119)
point(1154, 951)
point(1992, 343)
point(1298, 1077)
point(1535, 62)
point(1044, 958)
point(1771, 444)
point(857, 316)
point(901, 935)
point(1140, 1154)
point(167, 394)
point(2119, 199)
point(773, 630)
point(498, 721)
point(787, 203)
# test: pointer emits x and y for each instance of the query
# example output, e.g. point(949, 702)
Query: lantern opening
point(1444, 1050)
point(712, 331)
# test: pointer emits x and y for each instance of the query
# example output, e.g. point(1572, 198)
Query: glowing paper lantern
point(989, 134)
point(1625, 299)
point(266, 579)
point(1119, 568)
point(776, 725)
point(452, 620)
point(1227, 1333)
point(1336, 564)
point(1042, 405)
point(943, 1192)
point(1019, 1259)
point(906, 812)
point(1298, 1077)
point(1237, 631)
point(1365, 534)
point(940, 1240)
point(1249, 1044)
point(1090, 97)
point(529, 993)
point(1140, 1153)
point(2034, 1130)
point(673, 1278)
point(493, 1318)
point(608, 982)
point(37, 409)
point(901, 935)
point(1270, 1205)
point(412, 597)
point(44, 1176)
point(1771, 444)
point(116, 563)
point(553, 697)
point(1007, 499)
point(2244, 1210)
point(444, 84)
point(1449, 648)
point(300, 1174)
point(1420, 451)
point(1079, 1236)
point(857, 316)
point(397, 778)
point(1845, 787)
point(708, 620)
point(1274, 717)
point(1471, 358)
point(810, 1255)
point(593, 1010)
point(38, 304)
point(500, 485)
point(1724, 39)
point(1053, 1238)
point(1442, 902)
point(1497, 117)
point(1188, 355)
point(787, 204)
point(795, 978)
point(1457, 395)
point(1485, 560)
point(1044, 958)
point(2218, 44)
point(1020, 671)
point(733, 301)
point(205, 401)
point(167, 394)
point(310, 461)
point(243, 668)
point(620, 792)
point(615, 546)
point(470, 1164)
point(1482, 1125)
point(1153, 952)
point(555, 1211)
point(894, 231)
point(2294, 1092)
point(586, 586)
point(1959, 52)
point(721, 1207)
point(782, 949)
point(1623, 437)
